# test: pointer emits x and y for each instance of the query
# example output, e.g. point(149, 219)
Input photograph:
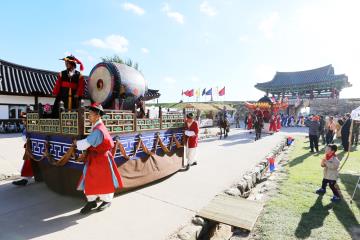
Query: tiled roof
point(20, 80)
point(319, 76)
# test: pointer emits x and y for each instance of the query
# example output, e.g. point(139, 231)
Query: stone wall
point(333, 106)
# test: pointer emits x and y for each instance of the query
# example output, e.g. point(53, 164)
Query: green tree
point(118, 59)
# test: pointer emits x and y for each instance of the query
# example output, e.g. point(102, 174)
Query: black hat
point(74, 60)
point(190, 115)
point(96, 107)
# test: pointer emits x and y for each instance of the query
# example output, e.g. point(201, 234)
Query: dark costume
point(69, 85)
point(258, 125)
point(345, 132)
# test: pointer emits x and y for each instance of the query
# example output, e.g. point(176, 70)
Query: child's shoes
point(320, 191)
point(335, 199)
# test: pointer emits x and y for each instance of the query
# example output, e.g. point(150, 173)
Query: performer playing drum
point(69, 86)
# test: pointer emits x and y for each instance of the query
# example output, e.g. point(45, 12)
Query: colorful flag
point(222, 92)
point(191, 93)
point(203, 92)
point(197, 92)
point(209, 92)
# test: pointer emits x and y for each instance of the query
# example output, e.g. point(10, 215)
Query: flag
point(273, 99)
point(203, 92)
point(222, 92)
point(189, 93)
point(209, 92)
point(197, 92)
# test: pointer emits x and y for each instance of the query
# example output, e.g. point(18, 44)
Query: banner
point(222, 92)
point(209, 92)
point(203, 92)
point(189, 93)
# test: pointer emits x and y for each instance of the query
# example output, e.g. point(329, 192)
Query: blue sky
point(183, 44)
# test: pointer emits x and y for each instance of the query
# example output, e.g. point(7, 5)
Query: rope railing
point(71, 152)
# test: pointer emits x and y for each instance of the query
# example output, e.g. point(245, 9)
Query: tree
point(118, 59)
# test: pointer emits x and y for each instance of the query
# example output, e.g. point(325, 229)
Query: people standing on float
point(69, 87)
point(191, 133)
point(100, 176)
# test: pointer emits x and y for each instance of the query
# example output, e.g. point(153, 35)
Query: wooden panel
point(115, 121)
point(172, 120)
point(233, 211)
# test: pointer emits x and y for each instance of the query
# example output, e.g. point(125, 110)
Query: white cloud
point(207, 9)
point(134, 8)
point(145, 50)
point(116, 43)
point(170, 80)
point(267, 25)
point(178, 17)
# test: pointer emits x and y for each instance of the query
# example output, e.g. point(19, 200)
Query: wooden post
point(160, 116)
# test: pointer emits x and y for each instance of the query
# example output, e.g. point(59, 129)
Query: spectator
point(331, 165)
point(322, 129)
point(313, 125)
point(345, 132)
point(330, 131)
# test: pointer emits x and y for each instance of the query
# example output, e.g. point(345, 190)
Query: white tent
point(355, 114)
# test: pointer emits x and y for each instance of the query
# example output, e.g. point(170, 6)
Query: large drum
point(109, 80)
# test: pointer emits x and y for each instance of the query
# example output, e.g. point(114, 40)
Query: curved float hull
point(136, 170)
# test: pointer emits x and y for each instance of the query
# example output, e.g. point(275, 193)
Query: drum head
point(101, 84)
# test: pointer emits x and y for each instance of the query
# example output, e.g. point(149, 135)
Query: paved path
point(150, 213)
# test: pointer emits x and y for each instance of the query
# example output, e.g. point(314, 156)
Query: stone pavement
point(153, 212)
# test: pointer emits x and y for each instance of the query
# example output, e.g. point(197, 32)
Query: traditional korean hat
point(96, 107)
point(73, 59)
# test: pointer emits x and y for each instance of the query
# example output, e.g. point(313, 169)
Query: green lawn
point(296, 212)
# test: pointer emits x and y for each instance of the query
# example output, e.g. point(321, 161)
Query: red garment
point(272, 127)
point(329, 156)
point(193, 140)
point(80, 87)
point(26, 170)
point(278, 123)
point(249, 123)
point(98, 176)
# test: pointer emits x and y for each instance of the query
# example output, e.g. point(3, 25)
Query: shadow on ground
point(312, 219)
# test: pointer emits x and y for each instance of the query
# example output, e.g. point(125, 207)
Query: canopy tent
point(355, 114)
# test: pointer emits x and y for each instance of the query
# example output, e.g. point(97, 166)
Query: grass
point(296, 212)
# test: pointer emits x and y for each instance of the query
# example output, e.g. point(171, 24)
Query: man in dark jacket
point(322, 129)
point(314, 126)
point(345, 132)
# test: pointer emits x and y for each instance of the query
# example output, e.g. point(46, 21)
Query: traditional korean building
point(22, 86)
point(309, 84)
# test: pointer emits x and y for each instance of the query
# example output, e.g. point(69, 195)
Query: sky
point(183, 44)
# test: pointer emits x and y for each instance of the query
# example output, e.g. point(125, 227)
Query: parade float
point(268, 107)
point(146, 149)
